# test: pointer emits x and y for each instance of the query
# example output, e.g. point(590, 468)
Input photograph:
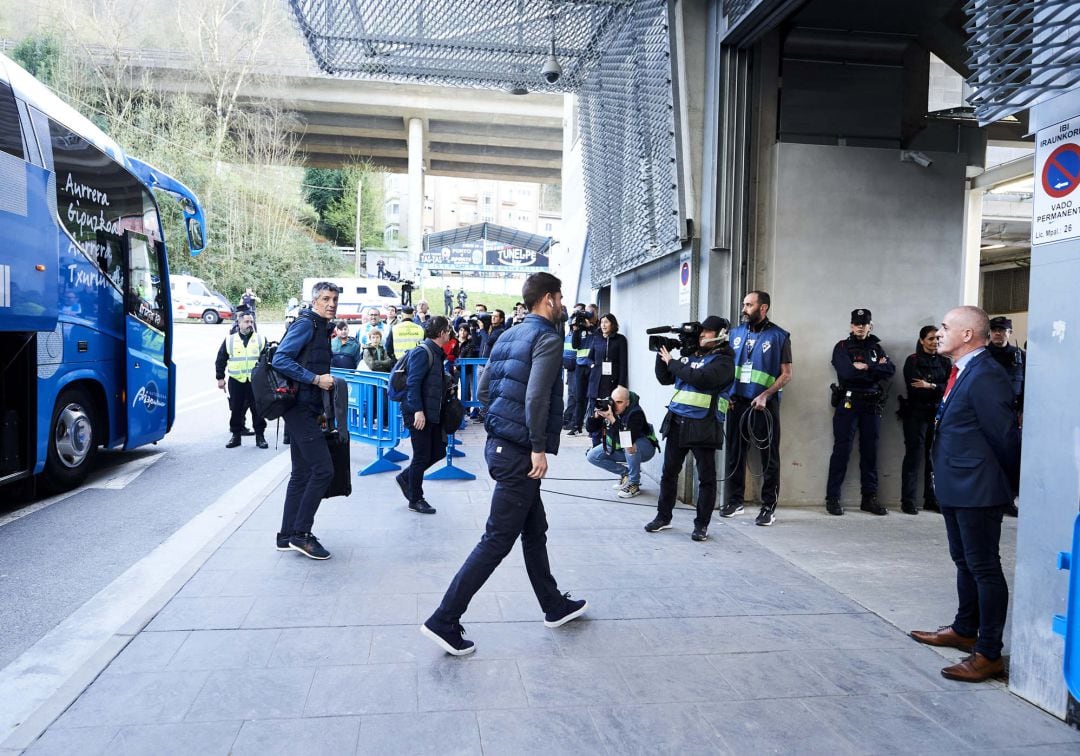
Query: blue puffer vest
point(508, 377)
point(308, 342)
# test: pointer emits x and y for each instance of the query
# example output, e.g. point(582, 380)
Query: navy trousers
point(516, 510)
point(312, 470)
point(428, 447)
point(571, 401)
point(845, 423)
point(581, 393)
point(981, 591)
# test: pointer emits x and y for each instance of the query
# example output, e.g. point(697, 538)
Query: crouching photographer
point(702, 375)
point(628, 439)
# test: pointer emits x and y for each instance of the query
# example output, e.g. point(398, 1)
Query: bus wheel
point(72, 441)
point(211, 317)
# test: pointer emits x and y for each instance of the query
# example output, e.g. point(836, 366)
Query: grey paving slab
point(202, 613)
point(375, 609)
point(293, 611)
point(586, 638)
point(431, 733)
point(775, 726)
point(572, 682)
point(658, 728)
point(369, 689)
point(539, 731)
point(861, 671)
point(182, 739)
point(225, 649)
point(321, 647)
point(124, 698)
point(245, 558)
point(287, 737)
point(666, 679)
point(993, 717)
point(252, 694)
point(513, 640)
point(772, 675)
point(886, 724)
point(149, 652)
point(470, 683)
point(85, 741)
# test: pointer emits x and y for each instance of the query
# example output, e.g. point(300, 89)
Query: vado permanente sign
point(1057, 176)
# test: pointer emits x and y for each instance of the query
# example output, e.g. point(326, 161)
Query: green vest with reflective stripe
point(407, 334)
point(242, 358)
point(690, 402)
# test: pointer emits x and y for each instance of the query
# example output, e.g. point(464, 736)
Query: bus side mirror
point(195, 235)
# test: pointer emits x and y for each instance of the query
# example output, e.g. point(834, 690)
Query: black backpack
point(274, 394)
point(399, 376)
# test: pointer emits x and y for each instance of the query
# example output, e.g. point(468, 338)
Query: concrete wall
point(1050, 477)
point(854, 227)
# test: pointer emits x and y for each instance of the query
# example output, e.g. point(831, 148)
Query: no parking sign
point(1057, 176)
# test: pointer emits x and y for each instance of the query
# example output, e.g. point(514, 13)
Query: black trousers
point(571, 401)
point(738, 449)
point(428, 447)
point(845, 423)
point(981, 591)
point(669, 478)
point(240, 400)
point(581, 393)
point(312, 470)
point(918, 440)
point(516, 510)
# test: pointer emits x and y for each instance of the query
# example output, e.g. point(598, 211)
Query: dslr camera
point(686, 337)
point(579, 320)
point(603, 405)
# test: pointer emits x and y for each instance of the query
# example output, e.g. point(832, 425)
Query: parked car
point(357, 295)
point(192, 299)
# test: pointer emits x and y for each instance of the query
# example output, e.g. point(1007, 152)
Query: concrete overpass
point(486, 134)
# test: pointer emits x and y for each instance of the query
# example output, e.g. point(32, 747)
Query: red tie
point(949, 384)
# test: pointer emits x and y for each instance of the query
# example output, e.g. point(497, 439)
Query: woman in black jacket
point(607, 355)
point(925, 375)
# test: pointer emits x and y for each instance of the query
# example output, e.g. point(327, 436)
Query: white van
point(193, 300)
point(357, 295)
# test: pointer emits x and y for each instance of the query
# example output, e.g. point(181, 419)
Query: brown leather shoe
point(944, 636)
point(975, 668)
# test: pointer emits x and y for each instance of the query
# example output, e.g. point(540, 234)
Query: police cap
point(1000, 322)
point(860, 316)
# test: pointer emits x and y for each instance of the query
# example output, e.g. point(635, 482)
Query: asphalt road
point(58, 554)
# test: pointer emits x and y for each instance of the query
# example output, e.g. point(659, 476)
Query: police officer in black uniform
point(1013, 359)
point(863, 370)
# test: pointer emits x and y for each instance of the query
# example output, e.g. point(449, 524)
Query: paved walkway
point(722, 647)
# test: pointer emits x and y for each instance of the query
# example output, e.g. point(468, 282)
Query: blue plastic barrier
point(373, 419)
point(469, 369)
point(1066, 625)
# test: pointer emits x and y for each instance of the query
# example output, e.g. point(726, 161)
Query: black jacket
point(869, 350)
point(933, 368)
point(709, 378)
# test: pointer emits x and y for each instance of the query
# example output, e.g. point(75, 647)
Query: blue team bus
point(85, 316)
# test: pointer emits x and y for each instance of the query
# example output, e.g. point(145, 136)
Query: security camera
point(919, 158)
point(551, 70)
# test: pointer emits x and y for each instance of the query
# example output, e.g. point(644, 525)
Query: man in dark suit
point(976, 459)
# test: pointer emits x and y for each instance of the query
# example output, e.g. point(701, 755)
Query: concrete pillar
point(970, 281)
point(416, 192)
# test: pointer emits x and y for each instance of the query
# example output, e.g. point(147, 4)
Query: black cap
point(860, 317)
point(408, 309)
point(1001, 322)
point(714, 323)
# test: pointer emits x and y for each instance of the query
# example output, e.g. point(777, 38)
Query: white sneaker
point(622, 483)
point(629, 491)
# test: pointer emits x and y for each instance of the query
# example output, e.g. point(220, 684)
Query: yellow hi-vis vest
point(242, 358)
point(407, 334)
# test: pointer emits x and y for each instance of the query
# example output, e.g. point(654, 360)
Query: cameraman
point(621, 419)
point(582, 326)
point(695, 419)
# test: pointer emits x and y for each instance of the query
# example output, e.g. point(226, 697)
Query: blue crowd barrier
point(469, 370)
point(373, 419)
point(1066, 624)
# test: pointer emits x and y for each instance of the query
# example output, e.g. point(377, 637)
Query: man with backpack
point(422, 409)
point(304, 356)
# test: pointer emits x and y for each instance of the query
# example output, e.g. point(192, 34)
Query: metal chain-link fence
point(615, 55)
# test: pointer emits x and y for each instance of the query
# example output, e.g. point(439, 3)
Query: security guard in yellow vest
point(404, 335)
point(238, 354)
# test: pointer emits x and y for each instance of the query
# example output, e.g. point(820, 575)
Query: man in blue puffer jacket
point(304, 356)
point(522, 389)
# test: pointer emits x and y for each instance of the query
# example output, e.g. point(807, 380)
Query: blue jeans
point(621, 462)
point(981, 591)
point(516, 510)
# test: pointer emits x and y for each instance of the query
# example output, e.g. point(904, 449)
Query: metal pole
point(356, 257)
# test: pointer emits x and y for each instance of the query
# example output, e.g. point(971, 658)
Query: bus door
point(147, 373)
